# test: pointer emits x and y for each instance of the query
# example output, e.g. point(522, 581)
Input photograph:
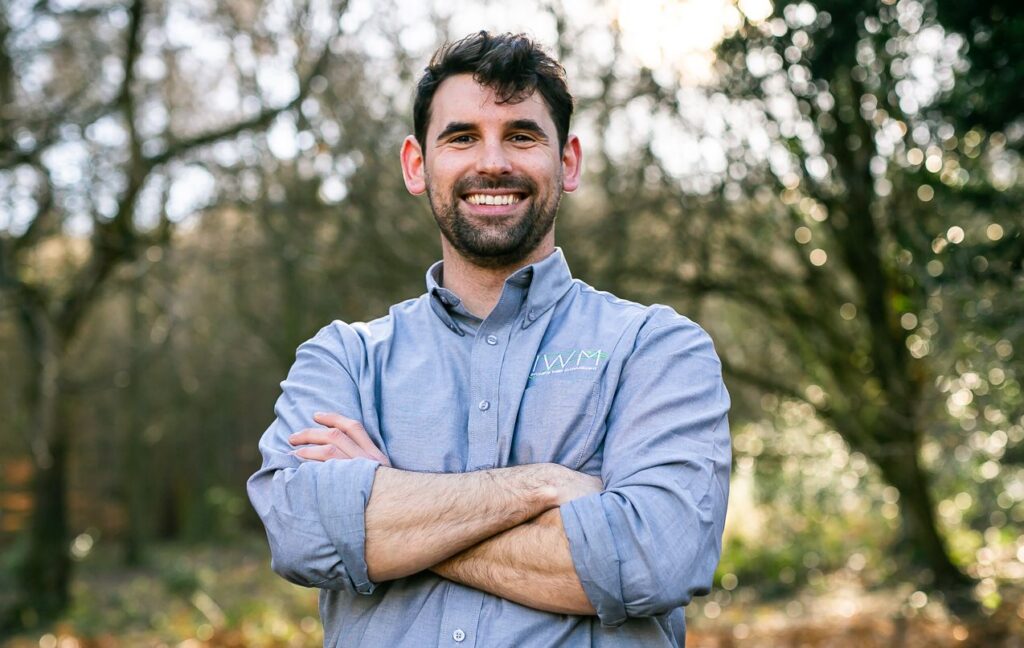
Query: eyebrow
point(528, 125)
point(519, 124)
point(454, 127)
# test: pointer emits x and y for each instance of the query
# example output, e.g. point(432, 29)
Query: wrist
point(549, 487)
point(536, 487)
point(561, 485)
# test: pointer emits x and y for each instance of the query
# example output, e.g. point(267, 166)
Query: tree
point(883, 198)
point(852, 224)
point(107, 114)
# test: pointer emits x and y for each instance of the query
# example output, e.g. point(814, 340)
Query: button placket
point(485, 370)
point(487, 358)
point(461, 616)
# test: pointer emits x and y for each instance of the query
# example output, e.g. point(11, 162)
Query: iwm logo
point(546, 364)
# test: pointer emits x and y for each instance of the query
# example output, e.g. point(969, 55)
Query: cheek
point(544, 169)
point(441, 178)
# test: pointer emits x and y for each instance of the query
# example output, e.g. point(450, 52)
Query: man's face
point(493, 173)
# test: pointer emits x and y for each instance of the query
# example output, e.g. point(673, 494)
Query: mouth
point(492, 199)
point(494, 202)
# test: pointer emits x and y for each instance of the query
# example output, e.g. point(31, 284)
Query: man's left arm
point(651, 539)
point(529, 564)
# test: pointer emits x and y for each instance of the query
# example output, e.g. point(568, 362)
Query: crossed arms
point(495, 530)
point(640, 543)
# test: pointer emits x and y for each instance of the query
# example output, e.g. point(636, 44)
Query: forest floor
point(227, 597)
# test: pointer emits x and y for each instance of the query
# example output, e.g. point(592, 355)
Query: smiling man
point(513, 458)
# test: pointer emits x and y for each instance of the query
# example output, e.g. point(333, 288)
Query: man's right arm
point(308, 508)
point(530, 564)
point(416, 520)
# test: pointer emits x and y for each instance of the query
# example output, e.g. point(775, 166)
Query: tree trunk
point(133, 485)
point(43, 572)
point(901, 468)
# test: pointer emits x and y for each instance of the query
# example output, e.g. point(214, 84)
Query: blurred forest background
point(191, 188)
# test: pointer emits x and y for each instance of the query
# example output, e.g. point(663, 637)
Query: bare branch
point(115, 241)
point(262, 120)
point(126, 99)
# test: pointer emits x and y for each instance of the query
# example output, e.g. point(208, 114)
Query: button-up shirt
point(557, 372)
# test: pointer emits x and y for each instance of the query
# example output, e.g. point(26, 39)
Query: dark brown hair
point(512, 65)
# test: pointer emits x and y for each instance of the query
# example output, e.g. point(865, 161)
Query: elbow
point(307, 558)
point(659, 592)
point(655, 585)
point(299, 550)
point(298, 556)
point(301, 568)
point(293, 568)
point(309, 547)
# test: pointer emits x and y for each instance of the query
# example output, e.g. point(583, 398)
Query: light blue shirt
point(557, 372)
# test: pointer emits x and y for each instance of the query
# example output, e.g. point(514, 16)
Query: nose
point(493, 159)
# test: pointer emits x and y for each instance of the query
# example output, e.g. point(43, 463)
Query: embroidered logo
point(558, 362)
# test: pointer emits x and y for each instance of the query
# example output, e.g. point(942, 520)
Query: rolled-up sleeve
point(652, 539)
point(314, 511)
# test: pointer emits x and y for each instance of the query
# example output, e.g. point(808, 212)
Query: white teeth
point(488, 199)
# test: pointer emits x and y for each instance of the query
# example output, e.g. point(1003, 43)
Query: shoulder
point(653, 328)
point(648, 318)
point(602, 309)
point(666, 333)
point(593, 298)
point(352, 342)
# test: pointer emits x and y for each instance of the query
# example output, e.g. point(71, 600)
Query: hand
point(341, 438)
point(571, 485)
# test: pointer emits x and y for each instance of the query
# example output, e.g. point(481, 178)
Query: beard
point(500, 242)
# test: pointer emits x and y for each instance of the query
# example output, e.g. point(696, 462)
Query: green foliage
point(223, 594)
point(228, 509)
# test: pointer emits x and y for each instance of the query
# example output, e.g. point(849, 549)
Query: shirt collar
point(545, 281)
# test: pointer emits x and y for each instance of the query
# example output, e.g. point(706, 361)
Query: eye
point(523, 138)
point(461, 139)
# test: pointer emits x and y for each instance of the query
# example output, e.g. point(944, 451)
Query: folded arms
point(639, 541)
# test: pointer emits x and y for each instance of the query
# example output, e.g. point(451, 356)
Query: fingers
point(320, 453)
point(329, 438)
point(346, 436)
point(355, 431)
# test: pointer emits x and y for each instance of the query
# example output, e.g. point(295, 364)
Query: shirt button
point(484, 405)
point(532, 315)
point(458, 635)
point(492, 339)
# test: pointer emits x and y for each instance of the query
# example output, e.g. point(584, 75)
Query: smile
point(491, 199)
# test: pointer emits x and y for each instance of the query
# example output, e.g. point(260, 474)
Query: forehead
point(461, 99)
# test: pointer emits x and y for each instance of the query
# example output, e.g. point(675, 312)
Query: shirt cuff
point(594, 556)
point(342, 489)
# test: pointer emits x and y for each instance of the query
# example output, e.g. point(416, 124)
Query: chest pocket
point(556, 423)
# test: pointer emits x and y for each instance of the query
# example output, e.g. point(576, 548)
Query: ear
point(572, 163)
point(412, 166)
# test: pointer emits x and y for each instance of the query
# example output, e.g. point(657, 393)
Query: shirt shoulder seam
point(586, 288)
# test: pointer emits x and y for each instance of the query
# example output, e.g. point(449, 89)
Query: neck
point(478, 287)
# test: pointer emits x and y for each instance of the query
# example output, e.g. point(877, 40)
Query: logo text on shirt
point(558, 362)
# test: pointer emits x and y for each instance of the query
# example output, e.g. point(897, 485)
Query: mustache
point(511, 183)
